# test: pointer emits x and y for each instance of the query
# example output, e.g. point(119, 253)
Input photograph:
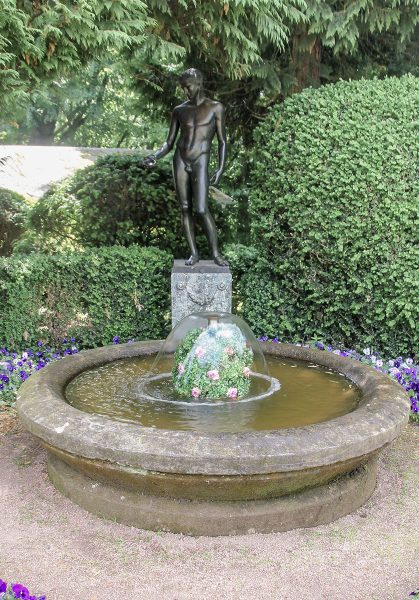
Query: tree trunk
point(43, 133)
point(306, 58)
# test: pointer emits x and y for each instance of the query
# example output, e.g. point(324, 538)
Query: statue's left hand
point(148, 162)
point(216, 176)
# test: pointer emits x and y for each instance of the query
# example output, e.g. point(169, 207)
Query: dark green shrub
point(241, 259)
point(92, 295)
point(12, 218)
point(114, 201)
point(334, 215)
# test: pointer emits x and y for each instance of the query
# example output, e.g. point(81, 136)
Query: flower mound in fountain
point(213, 362)
point(208, 358)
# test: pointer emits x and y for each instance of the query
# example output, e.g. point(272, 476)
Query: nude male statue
point(199, 120)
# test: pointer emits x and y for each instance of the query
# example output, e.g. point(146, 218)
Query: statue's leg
point(184, 195)
point(200, 185)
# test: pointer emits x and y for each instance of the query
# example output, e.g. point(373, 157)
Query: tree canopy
point(60, 61)
point(42, 39)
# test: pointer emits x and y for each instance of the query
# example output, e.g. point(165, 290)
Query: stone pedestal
point(203, 287)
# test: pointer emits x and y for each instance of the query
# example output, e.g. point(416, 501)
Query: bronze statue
point(199, 120)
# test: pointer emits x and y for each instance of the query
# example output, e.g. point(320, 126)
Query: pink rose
point(214, 375)
point(180, 369)
point(196, 392)
point(200, 351)
point(246, 372)
point(232, 393)
point(229, 351)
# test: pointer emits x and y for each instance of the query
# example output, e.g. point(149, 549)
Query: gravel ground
point(56, 548)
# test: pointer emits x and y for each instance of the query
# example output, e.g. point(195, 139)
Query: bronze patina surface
point(194, 124)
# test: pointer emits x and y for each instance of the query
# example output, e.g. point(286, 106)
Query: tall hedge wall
point(334, 216)
point(92, 295)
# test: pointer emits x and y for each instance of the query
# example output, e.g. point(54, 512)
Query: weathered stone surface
point(205, 287)
point(247, 466)
point(309, 508)
point(206, 487)
point(379, 418)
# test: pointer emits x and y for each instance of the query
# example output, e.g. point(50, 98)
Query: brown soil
point(56, 548)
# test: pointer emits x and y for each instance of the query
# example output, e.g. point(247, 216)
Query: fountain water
point(210, 375)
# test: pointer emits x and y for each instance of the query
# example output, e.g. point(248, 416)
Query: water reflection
point(308, 394)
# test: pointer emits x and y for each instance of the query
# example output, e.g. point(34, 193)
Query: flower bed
point(15, 367)
point(16, 590)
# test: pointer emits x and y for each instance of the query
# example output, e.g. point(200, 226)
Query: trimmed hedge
point(91, 296)
point(334, 217)
point(13, 209)
point(115, 201)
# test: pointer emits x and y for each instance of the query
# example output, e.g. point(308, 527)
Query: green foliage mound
point(12, 217)
point(334, 216)
point(92, 296)
point(213, 363)
point(114, 201)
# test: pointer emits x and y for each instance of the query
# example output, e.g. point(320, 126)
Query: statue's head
point(192, 75)
point(192, 82)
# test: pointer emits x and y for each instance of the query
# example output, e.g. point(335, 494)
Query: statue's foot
point(192, 260)
point(220, 261)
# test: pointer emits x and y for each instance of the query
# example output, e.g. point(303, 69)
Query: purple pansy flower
point(20, 591)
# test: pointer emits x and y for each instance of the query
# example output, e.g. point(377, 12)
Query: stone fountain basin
point(213, 483)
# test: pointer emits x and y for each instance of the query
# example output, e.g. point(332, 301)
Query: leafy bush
point(12, 217)
point(89, 295)
point(334, 214)
point(241, 259)
point(114, 201)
